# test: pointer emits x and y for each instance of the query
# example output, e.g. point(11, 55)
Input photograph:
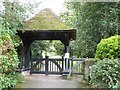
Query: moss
point(46, 20)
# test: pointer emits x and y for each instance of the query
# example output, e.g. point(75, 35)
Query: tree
point(38, 47)
point(59, 47)
point(93, 21)
point(11, 19)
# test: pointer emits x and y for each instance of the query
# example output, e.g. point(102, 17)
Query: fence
point(79, 66)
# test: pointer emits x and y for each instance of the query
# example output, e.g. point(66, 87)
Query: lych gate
point(51, 66)
point(47, 26)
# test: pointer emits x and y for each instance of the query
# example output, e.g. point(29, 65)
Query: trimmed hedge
point(106, 71)
point(108, 48)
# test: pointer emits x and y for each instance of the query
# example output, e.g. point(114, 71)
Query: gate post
point(67, 62)
point(31, 70)
point(46, 65)
point(62, 63)
point(26, 52)
point(65, 40)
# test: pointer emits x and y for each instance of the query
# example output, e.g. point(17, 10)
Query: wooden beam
point(27, 55)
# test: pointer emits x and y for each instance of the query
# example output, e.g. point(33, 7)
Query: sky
point(55, 5)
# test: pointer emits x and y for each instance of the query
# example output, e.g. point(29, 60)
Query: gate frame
point(80, 61)
point(46, 71)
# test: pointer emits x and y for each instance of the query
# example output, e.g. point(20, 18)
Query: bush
point(9, 58)
point(108, 48)
point(105, 73)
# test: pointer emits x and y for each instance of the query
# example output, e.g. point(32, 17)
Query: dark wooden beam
point(47, 34)
point(26, 53)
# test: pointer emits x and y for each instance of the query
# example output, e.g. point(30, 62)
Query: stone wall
point(88, 63)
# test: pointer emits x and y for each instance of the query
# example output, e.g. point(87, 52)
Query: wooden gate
point(57, 66)
point(47, 66)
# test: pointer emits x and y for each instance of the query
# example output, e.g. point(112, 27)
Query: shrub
point(117, 86)
point(9, 58)
point(105, 73)
point(108, 48)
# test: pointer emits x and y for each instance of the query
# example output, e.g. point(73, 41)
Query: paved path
point(49, 81)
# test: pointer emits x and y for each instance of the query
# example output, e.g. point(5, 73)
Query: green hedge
point(106, 74)
point(106, 71)
point(109, 48)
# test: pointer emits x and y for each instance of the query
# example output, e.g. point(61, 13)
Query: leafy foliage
point(38, 47)
point(10, 20)
point(59, 47)
point(94, 21)
point(105, 73)
point(14, 15)
point(10, 80)
point(9, 58)
point(108, 48)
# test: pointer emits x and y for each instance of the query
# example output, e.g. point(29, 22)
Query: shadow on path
point(49, 81)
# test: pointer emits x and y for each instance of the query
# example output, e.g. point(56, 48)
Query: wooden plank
point(43, 72)
point(47, 34)
point(77, 59)
point(36, 59)
point(46, 65)
point(49, 69)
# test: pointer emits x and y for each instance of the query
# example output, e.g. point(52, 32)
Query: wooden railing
point(77, 66)
point(47, 65)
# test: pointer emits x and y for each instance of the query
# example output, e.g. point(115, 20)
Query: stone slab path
point(49, 81)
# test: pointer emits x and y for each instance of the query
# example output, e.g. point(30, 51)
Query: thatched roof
point(46, 20)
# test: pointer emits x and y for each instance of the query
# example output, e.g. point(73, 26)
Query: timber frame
point(28, 36)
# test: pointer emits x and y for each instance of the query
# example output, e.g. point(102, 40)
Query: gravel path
point(49, 81)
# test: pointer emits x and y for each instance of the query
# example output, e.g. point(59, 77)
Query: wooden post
point(31, 69)
point(19, 50)
point(84, 67)
point(62, 63)
point(46, 65)
point(27, 55)
point(72, 62)
point(67, 55)
point(66, 41)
